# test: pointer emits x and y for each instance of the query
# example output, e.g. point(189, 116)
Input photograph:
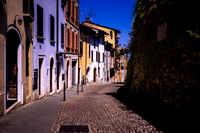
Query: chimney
point(87, 19)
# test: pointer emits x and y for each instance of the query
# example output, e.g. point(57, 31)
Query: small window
point(96, 56)
point(103, 57)
point(81, 48)
point(94, 43)
point(68, 41)
point(77, 41)
point(52, 21)
point(72, 40)
point(68, 5)
point(73, 13)
point(62, 33)
point(111, 34)
point(92, 56)
point(39, 21)
point(77, 13)
point(89, 50)
point(99, 57)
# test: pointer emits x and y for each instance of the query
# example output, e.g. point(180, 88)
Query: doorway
point(51, 74)
point(40, 75)
point(73, 72)
point(95, 75)
point(12, 66)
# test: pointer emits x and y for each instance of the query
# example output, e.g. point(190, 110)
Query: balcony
point(67, 49)
point(28, 10)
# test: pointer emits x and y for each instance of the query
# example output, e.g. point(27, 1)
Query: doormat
point(74, 129)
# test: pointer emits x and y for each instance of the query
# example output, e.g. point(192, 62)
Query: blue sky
point(111, 13)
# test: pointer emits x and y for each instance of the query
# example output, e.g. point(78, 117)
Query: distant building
point(97, 60)
point(85, 53)
point(111, 43)
point(71, 42)
point(120, 64)
point(91, 60)
point(15, 53)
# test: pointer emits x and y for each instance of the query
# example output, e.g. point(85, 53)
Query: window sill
point(40, 37)
point(51, 41)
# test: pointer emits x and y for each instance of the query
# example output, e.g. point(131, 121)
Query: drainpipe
point(57, 42)
point(78, 43)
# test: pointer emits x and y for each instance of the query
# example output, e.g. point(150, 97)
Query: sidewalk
point(38, 116)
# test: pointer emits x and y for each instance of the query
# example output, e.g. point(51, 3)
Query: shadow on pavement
point(158, 115)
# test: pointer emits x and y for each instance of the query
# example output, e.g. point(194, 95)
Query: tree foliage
point(165, 54)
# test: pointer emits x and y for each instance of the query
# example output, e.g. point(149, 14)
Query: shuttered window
point(81, 48)
point(39, 21)
point(97, 56)
point(92, 56)
point(52, 22)
point(103, 56)
point(62, 33)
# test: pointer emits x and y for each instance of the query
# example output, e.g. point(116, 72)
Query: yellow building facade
point(84, 53)
point(112, 33)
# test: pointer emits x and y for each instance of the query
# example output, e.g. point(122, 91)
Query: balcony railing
point(68, 49)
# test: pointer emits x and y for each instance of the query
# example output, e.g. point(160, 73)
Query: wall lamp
point(19, 20)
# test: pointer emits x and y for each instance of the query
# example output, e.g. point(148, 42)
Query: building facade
point(71, 42)
point(60, 43)
point(48, 65)
point(111, 43)
point(16, 53)
point(96, 73)
point(85, 53)
point(120, 64)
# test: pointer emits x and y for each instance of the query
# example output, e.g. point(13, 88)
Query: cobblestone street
point(101, 112)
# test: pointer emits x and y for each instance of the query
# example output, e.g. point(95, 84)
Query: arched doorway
point(13, 70)
point(51, 74)
point(95, 74)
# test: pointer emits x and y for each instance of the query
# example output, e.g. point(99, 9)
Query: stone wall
point(166, 55)
point(2, 104)
point(3, 25)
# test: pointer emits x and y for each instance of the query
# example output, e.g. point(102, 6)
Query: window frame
point(52, 28)
point(62, 33)
point(40, 20)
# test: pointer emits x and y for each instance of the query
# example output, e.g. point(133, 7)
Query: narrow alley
point(95, 108)
point(101, 112)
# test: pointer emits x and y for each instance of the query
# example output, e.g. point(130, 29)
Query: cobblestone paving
point(101, 112)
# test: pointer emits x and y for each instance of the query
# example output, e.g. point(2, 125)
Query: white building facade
point(97, 68)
